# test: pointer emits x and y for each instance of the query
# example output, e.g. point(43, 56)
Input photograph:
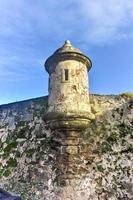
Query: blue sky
point(31, 30)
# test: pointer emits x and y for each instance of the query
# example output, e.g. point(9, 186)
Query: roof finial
point(67, 42)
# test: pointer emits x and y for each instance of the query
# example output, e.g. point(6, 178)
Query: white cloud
point(97, 20)
point(108, 19)
point(39, 25)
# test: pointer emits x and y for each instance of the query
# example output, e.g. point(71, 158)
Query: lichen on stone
point(37, 163)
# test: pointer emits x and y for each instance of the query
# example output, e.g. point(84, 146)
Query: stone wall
point(95, 164)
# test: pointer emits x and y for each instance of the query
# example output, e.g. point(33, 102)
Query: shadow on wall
point(6, 196)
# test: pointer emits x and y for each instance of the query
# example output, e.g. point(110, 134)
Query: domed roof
point(66, 52)
point(67, 47)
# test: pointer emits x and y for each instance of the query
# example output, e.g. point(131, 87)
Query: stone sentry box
point(68, 100)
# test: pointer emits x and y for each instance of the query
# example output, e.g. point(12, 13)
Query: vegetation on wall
point(26, 156)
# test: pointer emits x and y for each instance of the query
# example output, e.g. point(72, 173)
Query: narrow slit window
point(66, 74)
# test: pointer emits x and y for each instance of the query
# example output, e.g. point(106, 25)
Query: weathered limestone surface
point(68, 83)
point(95, 164)
point(73, 92)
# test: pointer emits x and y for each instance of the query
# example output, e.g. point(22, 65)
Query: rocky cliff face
point(96, 163)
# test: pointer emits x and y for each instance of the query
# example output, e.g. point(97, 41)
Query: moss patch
point(127, 94)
